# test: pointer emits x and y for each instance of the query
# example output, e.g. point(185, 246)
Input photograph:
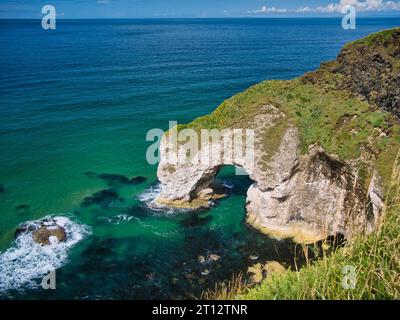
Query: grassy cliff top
point(322, 110)
point(382, 39)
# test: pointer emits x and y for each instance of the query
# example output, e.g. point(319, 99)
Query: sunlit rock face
point(307, 197)
point(321, 198)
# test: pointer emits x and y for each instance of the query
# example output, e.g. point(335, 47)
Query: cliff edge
point(324, 146)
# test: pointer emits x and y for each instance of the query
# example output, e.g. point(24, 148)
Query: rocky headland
point(324, 146)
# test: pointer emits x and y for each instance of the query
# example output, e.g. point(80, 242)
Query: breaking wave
point(149, 196)
point(24, 264)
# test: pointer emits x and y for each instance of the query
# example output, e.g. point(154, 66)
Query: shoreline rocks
point(44, 232)
point(307, 197)
point(321, 147)
point(259, 271)
point(47, 235)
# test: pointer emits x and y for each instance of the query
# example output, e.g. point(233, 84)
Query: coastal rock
point(206, 194)
point(44, 232)
point(305, 197)
point(104, 198)
point(368, 68)
point(191, 183)
point(318, 172)
point(274, 268)
point(214, 257)
point(259, 271)
point(320, 199)
point(113, 179)
point(46, 235)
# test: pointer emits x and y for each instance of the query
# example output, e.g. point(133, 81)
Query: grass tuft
point(375, 259)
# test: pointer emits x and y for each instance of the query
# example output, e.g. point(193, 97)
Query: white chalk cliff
point(306, 197)
point(323, 144)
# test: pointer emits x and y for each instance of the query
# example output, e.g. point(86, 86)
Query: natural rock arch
point(307, 197)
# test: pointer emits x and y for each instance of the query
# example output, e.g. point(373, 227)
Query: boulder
point(46, 235)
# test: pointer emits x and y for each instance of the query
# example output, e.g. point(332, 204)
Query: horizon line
point(205, 18)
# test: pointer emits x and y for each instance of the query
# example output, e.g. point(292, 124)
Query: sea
point(76, 104)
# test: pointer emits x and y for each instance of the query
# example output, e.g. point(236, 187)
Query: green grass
point(343, 125)
point(375, 39)
point(376, 259)
point(385, 42)
point(351, 129)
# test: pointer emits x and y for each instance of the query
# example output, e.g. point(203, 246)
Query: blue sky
point(194, 8)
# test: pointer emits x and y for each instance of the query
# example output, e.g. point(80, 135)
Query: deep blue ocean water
point(81, 99)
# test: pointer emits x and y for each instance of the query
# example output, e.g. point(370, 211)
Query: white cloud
point(361, 6)
point(265, 9)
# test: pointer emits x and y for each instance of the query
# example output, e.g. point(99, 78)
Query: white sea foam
point(228, 184)
point(149, 196)
point(120, 218)
point(24, 264)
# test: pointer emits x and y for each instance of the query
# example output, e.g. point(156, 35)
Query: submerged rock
point(90, 174)
point(195, 221)
point(25, 228)
point(210, 258)
point(138, 179)
point(1, 189)
point(113, 179)
point(205, 272)
point(22, 209)
point(104, 197)
point(214, 257)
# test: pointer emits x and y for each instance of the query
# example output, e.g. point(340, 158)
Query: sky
point(73, 9)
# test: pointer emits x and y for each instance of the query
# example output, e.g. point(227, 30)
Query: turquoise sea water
point(78, 101)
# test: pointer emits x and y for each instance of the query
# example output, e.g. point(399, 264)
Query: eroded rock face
point(191, 185)
point(322, 197)
point(372, 73)
point(305, 197)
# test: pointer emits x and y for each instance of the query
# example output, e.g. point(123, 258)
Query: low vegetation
point(340, 123)
point(376, 259)
point(344, 115)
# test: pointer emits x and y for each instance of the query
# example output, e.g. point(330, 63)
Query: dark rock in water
point(194, 221)
point(90, 174)
point(43, 234)
point(113, 179)
point(137, 211)
point(1, 188)
point(25, 228)
point(138, 179)
point(23, 208)
point(103, 197)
